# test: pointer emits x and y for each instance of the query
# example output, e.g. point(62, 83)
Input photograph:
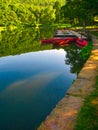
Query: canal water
point(33, 77)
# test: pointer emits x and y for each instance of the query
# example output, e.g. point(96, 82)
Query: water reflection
point(22, 41)
point(32, 83)
point(74, 58)
point(33, 80)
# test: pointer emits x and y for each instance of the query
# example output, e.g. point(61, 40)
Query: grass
point(88, 115)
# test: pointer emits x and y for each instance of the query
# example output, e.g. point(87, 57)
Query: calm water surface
point(32, 82)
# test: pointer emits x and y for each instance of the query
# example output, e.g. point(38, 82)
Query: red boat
point(66, 41)
point(60, 41)
point(81, 42)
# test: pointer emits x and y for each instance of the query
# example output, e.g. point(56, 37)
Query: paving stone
point(63, 117)
point(82, 88)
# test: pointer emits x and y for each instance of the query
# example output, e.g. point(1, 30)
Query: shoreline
point(64, 115)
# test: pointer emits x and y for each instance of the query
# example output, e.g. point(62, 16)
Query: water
point(33, 80)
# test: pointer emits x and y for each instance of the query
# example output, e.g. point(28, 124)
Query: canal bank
point(63, 117)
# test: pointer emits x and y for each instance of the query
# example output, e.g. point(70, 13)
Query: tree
point(57, 7)
point(82, 10)
point(48, 16)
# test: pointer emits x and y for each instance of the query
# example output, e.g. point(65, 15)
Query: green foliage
point(32, 12)
point(80, 11)
point(86, 51)
point(57, 7)
point(28, 12)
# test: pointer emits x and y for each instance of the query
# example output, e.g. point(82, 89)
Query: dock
point(69, 33)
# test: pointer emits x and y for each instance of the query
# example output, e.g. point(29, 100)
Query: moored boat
point(60, 41)
point(81, 42)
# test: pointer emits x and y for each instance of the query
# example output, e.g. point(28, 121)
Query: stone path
point(63, 117)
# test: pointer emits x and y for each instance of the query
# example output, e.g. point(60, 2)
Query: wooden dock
point(69, 33)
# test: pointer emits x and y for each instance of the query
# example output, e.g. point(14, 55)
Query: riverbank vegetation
point(48, 12)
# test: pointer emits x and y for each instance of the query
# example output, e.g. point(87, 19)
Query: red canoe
point(60, 41)
point(81, 42)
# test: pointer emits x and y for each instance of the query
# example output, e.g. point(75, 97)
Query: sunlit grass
point(88, 115)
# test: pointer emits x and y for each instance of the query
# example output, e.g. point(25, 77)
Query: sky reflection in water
point(30, 86)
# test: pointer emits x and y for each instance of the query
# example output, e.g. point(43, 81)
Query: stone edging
point(63, 117)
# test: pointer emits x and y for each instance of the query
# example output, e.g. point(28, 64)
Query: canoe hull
point(81, 42)
point(60, 41)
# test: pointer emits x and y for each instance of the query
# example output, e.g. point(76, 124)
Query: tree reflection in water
point(24, 40)
point(74, 58)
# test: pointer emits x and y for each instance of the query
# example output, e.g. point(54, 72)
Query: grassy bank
point(88, 115)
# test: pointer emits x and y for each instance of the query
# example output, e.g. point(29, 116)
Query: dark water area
point(33, 77)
